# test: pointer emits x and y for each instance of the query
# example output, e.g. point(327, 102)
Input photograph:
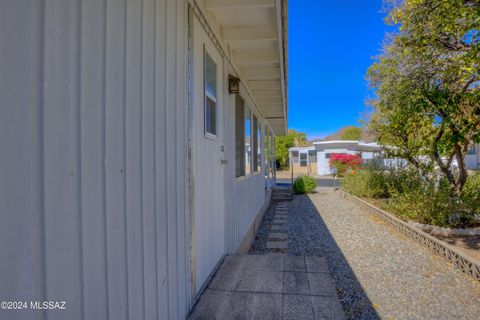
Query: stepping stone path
point(270, 287)
point(277, 237)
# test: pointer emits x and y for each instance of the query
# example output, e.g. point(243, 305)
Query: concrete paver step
point(277, 235)
point(270, 286)
point(277, 244)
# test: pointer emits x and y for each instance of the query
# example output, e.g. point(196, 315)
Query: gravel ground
point(379, 273)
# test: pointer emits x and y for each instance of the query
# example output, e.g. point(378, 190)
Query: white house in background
point(125, 175)
point(472, 159)
point(368, 151)
point(316, 158)
point(303, 160)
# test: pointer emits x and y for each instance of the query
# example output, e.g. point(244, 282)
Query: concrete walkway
point(273, 286)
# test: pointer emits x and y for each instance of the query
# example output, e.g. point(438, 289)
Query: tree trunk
point(460, 152)
point(446, 169)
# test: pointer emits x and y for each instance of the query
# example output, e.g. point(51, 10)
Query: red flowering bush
point(345, 162)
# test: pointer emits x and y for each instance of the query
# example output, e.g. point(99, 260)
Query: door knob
point(224, 161)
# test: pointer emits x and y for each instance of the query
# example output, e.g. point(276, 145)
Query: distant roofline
point(357, 143)
point(344, 142)
point(302, 148)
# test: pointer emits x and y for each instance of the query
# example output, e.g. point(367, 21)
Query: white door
point(208, 155)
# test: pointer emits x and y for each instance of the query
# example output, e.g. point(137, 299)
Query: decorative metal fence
point(467, 264)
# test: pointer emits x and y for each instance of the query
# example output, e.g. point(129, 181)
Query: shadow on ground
point(308, 235)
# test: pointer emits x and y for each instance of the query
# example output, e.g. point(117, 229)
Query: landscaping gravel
point(259, 245)
point(379, 273)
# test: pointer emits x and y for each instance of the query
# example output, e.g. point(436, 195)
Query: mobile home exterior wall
point(97, 169)
point(246, 196)
point(93, 161)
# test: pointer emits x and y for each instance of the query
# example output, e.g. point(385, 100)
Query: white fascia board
point(279, 18)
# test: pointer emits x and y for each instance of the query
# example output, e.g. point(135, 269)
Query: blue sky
point(331, 45)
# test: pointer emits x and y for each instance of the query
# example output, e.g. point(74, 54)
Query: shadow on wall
point(309, 235)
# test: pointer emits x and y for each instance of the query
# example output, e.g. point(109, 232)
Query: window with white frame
point(210, 86)
point(248, 140)
point(266, 153)
point(259, 145)
point(274, 156)
point(303, 159)
point(239, 137)
point(256, 143)
point(295, 157)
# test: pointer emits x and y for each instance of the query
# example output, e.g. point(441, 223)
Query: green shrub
point(424, 203)
point(412, 198)
point(304, 184)
point(366, 183)
point(471, 193)
point(435, 203)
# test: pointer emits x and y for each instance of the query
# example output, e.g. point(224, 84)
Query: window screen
point(471, 150)
point(255, 143)
point(248, 141)
point(239, 137)
point(259, 145)
point(303, 159)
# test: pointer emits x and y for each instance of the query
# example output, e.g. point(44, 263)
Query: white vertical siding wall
point(246, 195)
point(93, 157)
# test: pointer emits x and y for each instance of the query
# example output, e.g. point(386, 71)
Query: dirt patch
point(470, 245)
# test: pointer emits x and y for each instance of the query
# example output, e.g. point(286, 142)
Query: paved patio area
point(272, 286)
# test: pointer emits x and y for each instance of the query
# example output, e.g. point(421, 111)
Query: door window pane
point(210, 85)
point(210, 116)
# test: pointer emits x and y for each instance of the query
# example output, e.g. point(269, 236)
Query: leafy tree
point(427, 84)
point(283, 143)
point(352, 133)
point(299, 138)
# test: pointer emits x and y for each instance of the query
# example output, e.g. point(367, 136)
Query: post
point(291, 166)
